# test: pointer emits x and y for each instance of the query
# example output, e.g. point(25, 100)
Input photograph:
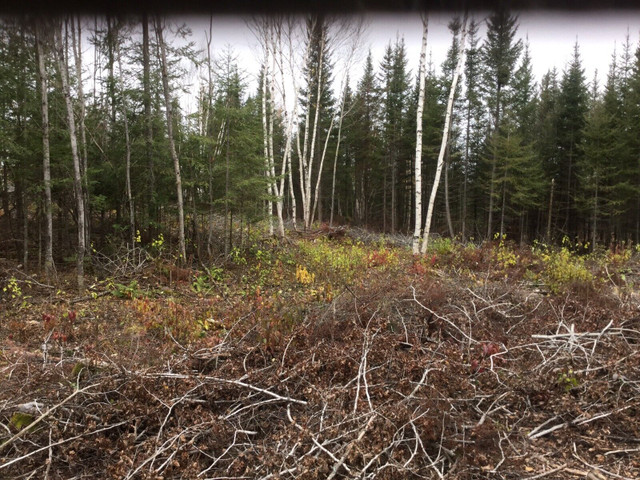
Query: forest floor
point(324, 357)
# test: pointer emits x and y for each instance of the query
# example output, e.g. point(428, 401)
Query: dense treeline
point(95, 149)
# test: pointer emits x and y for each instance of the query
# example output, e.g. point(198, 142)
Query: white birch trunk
point(77, 176)
point(445, 139)
point(265, 139)
point(311, 153)
point(82, 131)
point(172, 146)
point(418, 159)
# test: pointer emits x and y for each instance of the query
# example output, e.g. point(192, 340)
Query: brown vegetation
point(468, 363)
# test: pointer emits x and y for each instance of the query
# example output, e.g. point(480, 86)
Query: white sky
point(551, 36)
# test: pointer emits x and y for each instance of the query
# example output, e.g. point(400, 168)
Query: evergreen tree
point(546, 128)
point(573, 106)
point(394, 92)
point(364, 130)
point(474, 129)
point(500, 52)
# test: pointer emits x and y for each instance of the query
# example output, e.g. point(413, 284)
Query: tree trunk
point(417, 230)
point(548, 234)
point(77, 50)
point(172, 146)
point(49, 266)
point(77, 177)
point(445, 139)
point(146, 100)
point(447, 207)
point(132, 218)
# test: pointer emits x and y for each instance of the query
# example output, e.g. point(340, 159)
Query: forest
point(97, 151)
point(323, 272)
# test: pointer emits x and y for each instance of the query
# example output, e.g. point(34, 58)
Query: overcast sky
point(551, 36)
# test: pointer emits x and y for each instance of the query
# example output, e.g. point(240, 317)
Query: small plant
point(126, 291)
point(303, 276)
point(204, 282)
point(158, 243)
point(487, 350)
point(237, 256)
point(504, 255)
point(441, 245)
point(568, 380)
point(13, 289)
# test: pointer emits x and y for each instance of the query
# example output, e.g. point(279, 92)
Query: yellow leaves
point(303, 276)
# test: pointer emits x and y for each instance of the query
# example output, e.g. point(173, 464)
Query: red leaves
point(487, 350)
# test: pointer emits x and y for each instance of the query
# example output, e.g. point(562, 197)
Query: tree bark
point(49, 266)
point(77, 176)
point(172, 146)
point(77, 50)
point(132, 218)
point(418, 157)
point(445, 139)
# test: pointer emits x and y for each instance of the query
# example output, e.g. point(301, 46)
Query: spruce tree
point(500, 52)
point(394, 92)
point(364, 129)
point(573, 106)
point(474, 130)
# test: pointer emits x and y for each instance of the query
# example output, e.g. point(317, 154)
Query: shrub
point(563, 270)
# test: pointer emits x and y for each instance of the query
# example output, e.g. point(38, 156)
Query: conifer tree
point(573, 108)
point(500, 52)
point(394, 92)
point(473, 119)
point(365, 132)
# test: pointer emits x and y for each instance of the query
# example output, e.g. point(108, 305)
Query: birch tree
point(61, 60)
point(445, 138)
point(172, 146)
point(77, 51)
point(418, 159)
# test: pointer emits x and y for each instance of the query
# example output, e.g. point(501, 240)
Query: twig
point(15, 460)
point(548, 472)
point(606, 472)
point(43, 416)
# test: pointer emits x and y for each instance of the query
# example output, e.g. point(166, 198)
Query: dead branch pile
point(429, 380)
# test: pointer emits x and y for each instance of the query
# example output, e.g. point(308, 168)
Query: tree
point(395, 95)
point(418, 158)
point(315, 99)
point(61, 57)
point(500, 52)
point(41, 32)
point(172, 148)
point(364, 130)
point(445, 138)
point(473, 116)
point(573, 108)
point(546, 127)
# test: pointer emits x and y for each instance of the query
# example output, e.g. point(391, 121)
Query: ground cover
point(330, 355)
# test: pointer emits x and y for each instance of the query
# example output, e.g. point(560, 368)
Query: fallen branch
point(548, 472)
point(42, 417)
